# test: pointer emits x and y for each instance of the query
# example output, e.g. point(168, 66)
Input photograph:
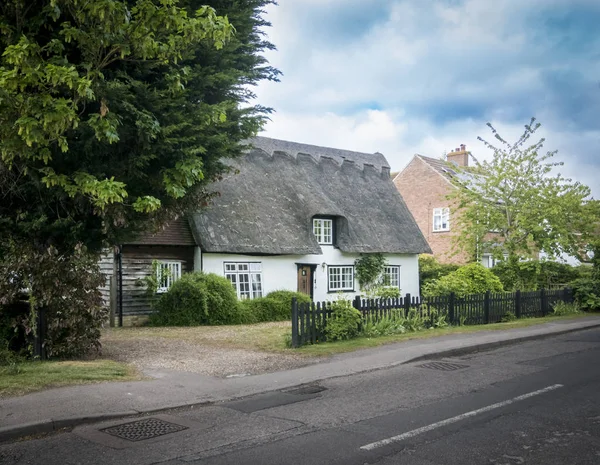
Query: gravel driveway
point(205, 350)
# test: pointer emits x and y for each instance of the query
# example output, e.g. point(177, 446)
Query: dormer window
point(323, 230)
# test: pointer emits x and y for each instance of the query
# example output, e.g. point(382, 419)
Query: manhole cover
point(443, 366)
point(143, 429)
point(305, 390)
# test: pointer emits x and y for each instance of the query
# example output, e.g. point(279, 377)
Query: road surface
point(531, 403)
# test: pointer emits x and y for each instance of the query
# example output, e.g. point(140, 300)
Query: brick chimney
point(460, 156)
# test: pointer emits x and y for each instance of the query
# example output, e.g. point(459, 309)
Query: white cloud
point(426, 76)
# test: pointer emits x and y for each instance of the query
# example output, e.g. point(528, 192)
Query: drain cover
point(143, 429)
point(305, 390)
point(443, 366)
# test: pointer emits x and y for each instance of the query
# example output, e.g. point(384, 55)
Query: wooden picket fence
point(309, 320)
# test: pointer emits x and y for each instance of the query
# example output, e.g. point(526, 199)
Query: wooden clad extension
point(137, 264)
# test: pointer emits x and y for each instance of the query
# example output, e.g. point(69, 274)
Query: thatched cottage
point(294, 217)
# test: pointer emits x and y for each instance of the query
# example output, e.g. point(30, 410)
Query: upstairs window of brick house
point(323, 230)
point(441, 219)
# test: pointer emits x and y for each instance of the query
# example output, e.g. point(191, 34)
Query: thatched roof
point(267, 208)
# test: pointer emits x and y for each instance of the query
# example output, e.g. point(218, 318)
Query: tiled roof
point(441, 166)
point(176, 232)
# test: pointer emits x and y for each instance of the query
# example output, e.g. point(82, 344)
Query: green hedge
point(276, 306)
point(197, 299)
point(535, 274)
point(208, 299)
point(469, 279)
point(431, 270)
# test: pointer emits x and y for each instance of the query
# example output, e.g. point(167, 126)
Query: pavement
point(54, 409)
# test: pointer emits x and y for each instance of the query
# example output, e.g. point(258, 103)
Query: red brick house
point(424, 185)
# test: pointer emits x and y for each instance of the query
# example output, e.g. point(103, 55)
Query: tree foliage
point(112, 109)
point(517, 204)
point(469, 279)
point(66, 285)
point(114, 115)
point(430, 269)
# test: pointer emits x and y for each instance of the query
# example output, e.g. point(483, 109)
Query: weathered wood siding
point(137, 264)
point(107, 268)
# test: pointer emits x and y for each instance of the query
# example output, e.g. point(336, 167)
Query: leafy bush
point(66, 286)
point(344, 321)
point(198, 299)
point(276, 306)
point(12, 333)
point(284, 299)
point(533, 275)
point(221, 300)
point(387, 292)
point(10, 362)
point(431, 270)
point(508, 316)
point(261, 309)
point(561, 308)
point(468, 279)
point(185, 304)
point(388, 325)
point(414, 322)
point(587, 293)
point(435, 319)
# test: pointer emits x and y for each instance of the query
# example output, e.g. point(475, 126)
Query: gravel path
point(154, 354)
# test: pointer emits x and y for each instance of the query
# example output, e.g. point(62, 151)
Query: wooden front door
point(305, 279)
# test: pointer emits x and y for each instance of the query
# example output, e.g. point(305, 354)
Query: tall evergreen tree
point(114, 115)
point(117, 112)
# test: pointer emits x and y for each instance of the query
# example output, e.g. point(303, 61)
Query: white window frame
point(442, 214)
point(166, 280)
point(246, 278)
point(343, 283)
point(389, 279)
point(323, 230)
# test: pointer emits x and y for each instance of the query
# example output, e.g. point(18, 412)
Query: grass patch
point(269, 337)
point(30, 376)
point(332, 348)
point(265, 337)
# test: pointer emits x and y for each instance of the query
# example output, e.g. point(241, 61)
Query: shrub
point(561, 308)
point(468, 279)
point(12, 333)
point(221, 300)
point(284, 299)
point(508, 316)
point(198, 299)
point(587, 293)
point(344, 321)
point(533, 275)
point(388, 325)
point(414, 321)
point(276, 306)
point(387, 292)
point(66, 285)
point(431, 270)
point(260, 309)
point(185, 303)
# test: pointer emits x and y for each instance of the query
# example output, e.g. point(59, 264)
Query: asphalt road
point(532, 403)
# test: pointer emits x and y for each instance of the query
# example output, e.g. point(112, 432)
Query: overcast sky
point(424, 76)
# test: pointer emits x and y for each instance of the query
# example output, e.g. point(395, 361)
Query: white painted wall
point(281, 271)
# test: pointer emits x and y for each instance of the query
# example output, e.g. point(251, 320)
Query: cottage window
point(166, 274)
point(246, 279)
point(391, 276)
point(441, 219)
point(340, 278)
point(323, 230)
